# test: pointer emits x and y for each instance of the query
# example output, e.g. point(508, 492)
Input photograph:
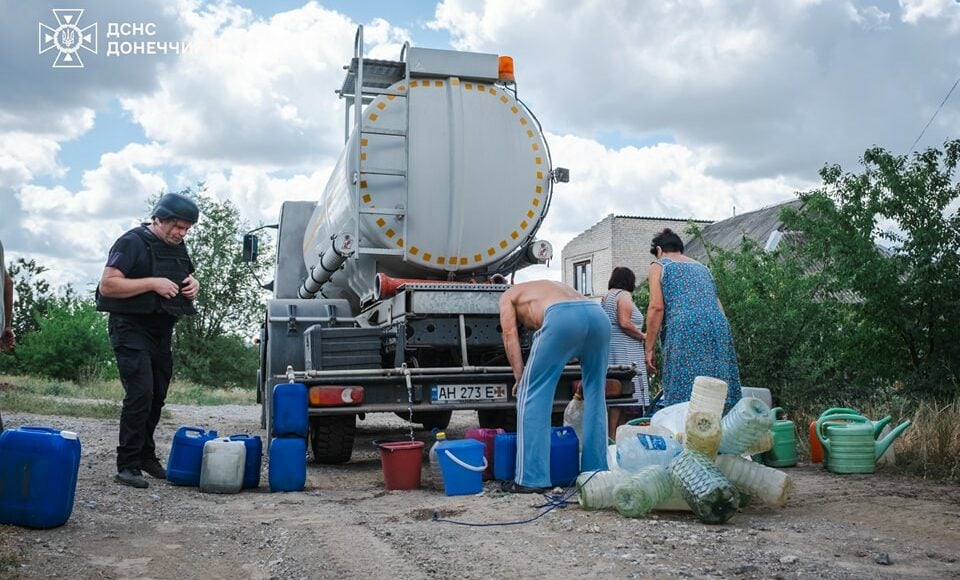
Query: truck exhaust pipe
point(340, 249)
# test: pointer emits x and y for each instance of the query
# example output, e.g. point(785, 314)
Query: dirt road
point(345, 525)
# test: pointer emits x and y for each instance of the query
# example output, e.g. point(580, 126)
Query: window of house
point(582, 278)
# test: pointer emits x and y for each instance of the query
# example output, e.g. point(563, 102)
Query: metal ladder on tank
point(364, 91)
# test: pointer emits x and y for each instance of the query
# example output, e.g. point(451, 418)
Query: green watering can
point(851, 446)
point(783, 453)
point(841, 414)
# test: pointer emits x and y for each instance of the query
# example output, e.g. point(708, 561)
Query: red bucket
point(401, 463)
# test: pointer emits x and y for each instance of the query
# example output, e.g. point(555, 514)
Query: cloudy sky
point(658, 108)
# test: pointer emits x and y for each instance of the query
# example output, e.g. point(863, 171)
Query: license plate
point(466, 393)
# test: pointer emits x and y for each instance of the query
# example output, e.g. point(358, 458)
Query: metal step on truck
point(386, 290)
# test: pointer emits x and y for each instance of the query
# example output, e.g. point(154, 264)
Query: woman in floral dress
point(685, 313)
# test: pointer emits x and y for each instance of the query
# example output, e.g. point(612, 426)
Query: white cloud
point(664, 180)
point(258, 92)
point(778, 88)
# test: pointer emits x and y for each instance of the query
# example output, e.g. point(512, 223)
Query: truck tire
point(435, 420)
point(505, 419)
point(331, 438)
point(429, 419)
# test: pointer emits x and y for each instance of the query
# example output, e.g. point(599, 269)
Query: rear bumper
point(386, 392)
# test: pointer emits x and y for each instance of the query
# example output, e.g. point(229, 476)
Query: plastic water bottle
point(771, 486)
point(573, 416)
point(595, 488)
point(708, 395)
point(704, 487)
point(638, 494)
point(743, 427)
point(703, 433)
point(436, 477)
point(635, 453)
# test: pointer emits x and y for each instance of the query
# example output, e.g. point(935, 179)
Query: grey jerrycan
point(851, 447)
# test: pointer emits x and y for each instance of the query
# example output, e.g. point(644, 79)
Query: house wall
point(616, 241)
point(592, 245)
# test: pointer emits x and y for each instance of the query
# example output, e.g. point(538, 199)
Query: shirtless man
point(567, 326)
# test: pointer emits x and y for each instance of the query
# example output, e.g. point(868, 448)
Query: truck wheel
point(429, 419)
point(505, 419)
point(331, 438)
point(435, 420)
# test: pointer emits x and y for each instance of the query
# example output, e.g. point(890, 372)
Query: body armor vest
point(171, 262)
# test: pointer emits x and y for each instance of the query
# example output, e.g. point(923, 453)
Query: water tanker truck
point(386, 290)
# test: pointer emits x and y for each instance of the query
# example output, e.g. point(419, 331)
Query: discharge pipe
point(340, 248)
point(385, 286)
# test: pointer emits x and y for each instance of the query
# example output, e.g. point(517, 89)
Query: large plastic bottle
point(624, 431)
point(436, 477)
point(638, 494)
point(707, 491)
point(708, 395)
point(595, 488)
point(573, 417)
point(635, 453)
point(703, 433)
point(771, 486)
point(746, 423)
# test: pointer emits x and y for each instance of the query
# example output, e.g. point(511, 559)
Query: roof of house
point(756, 225)
point(653, 225)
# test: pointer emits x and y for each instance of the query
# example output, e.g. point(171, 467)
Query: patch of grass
point(100, 399)
point(45, 405)
point(190, 394)
point(931, 445)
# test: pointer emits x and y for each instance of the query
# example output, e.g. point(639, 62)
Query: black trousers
point(145, 362)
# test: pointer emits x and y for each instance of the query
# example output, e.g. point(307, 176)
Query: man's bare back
point(526, 302)
point(531, 299)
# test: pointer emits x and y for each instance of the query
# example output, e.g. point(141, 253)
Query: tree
point(211, 347)
point(788, 337)
point(909, 292)
point(33, 295)
point(70, 343)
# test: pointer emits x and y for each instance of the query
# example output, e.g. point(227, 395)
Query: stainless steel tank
point(478, 183)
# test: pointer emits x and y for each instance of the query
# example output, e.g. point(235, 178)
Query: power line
point(942, 103)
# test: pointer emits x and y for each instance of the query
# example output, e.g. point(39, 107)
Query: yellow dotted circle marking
point(367, 198)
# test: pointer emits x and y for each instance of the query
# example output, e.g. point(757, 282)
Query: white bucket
point(222, 467)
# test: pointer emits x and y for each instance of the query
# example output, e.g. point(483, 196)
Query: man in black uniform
point(146, 286)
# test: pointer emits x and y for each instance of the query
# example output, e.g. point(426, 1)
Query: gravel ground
point(345, 524)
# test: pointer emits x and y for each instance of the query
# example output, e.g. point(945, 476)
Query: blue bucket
point(462, 463)
point(287, 470)
point(505, 456)
point(251, 469)
point(564, 456)
point(186, 455)
point(290, 410)
point(38, 476)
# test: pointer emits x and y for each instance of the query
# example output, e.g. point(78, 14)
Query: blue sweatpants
point(581, 329)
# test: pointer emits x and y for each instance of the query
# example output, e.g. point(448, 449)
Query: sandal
point(514, 487)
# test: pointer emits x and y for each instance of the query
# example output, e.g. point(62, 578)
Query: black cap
point(174, 205)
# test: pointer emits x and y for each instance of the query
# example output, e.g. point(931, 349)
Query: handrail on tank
point(357, 123)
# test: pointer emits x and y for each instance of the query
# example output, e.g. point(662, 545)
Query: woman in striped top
point(626, 340)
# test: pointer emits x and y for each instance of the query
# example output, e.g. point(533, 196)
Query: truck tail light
point(335, 396)
point(613, 388)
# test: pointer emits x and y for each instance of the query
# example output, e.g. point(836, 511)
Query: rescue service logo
point(68, 38)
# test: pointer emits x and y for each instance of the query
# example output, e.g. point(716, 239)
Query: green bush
point(70, 343)
point(220, 361)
